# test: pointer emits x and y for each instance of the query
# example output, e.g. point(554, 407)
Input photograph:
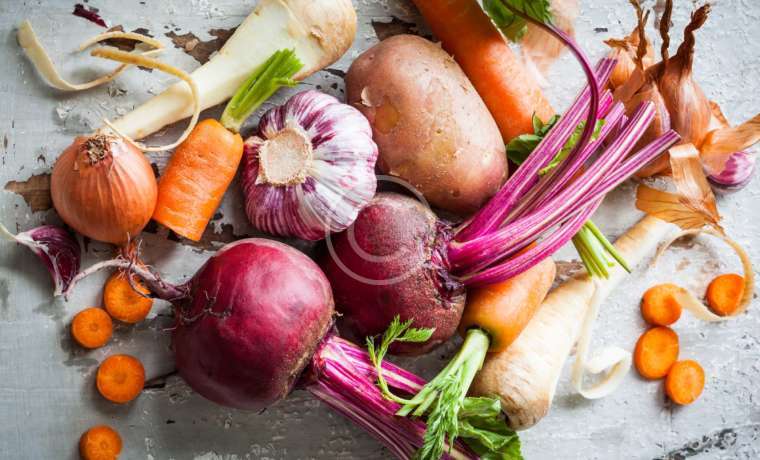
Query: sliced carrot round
point(122, 302)
point(724, 294)
point(685, 382)
point(655, 353)
point(100, 443)
point(92, 327)
point(120, 378)
point(659, 305)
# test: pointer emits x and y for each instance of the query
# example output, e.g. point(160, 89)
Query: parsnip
point(525, 375)
point(319, 31)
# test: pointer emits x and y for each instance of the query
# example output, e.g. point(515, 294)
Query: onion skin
point(402, 239)
point(690, 110)
point(660, 125)
point(255, 314)
point(109, 196)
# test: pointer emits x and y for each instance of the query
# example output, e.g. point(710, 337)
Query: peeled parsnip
point(525, 375)
point(319, 31)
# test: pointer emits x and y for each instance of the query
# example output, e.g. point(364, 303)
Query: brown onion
point(104, 188)
point(689, 108)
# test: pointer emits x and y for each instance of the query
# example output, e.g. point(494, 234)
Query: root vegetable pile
point(259, 319)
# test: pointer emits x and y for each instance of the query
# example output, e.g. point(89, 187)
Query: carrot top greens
point(449, 412)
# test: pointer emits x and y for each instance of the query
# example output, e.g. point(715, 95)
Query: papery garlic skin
point(737, 172)
point(310, 169)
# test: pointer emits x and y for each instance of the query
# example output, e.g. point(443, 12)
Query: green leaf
point(572, 141)
point(502, 13)
point(523, 145)
point(396, 332)
point(442, 422)
point(483, 427)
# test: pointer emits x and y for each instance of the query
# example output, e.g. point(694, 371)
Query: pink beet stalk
point(343, 377)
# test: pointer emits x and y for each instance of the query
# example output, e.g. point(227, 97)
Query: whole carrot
point(507, 88)
point(202, 167)
point(194, 182)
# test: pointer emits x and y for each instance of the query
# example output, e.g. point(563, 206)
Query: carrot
point(122, 302)
point(685, 382)
point(120, 378)
point(198, 174)
point(92, 327)
point(660, 306)
point(505, 85)
point(100, 443)
point(655, 353)
point(503, 309)
point(724, 294)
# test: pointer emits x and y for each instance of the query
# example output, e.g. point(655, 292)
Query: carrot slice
point(100, 443)
point(724, 294)
point(120, 378)
point(122, 302)
point(198, 174)
point(655, 353)
point(92, 327)
point(509, 91)
point(685, 382)
point(660, 306)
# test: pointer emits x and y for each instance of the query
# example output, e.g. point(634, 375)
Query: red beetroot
point(392, 262)
point(243, 340)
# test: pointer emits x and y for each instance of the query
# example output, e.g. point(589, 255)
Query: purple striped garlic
point(310, 169)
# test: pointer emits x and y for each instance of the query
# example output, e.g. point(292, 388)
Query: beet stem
point(157, 286)
point(345, 381)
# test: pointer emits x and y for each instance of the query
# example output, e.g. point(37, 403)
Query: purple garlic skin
point(56, 247)
point(735, 175)
point(310, 169)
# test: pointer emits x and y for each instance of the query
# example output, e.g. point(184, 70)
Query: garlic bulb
point(310, 169)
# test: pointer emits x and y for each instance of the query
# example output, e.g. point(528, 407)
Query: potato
point(430, 125)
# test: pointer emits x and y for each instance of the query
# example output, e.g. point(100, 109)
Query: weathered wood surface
point(47, 395)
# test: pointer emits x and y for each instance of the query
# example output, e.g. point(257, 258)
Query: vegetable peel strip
point(134, 59)
point(613, 361)
point(690, 301)
point(41, 61)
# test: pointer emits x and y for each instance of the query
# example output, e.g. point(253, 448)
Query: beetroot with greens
point(255, 322)
point(398, 259)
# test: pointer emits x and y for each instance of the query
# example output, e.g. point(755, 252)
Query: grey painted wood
point(47, 395)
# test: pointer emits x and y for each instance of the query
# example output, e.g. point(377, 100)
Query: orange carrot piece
point(122, 302)
point(505, 85)
point(504, 309)
point(100, 443)
point(659, 305)
point(120, 378)
point(685, 382)
point(92, 327)
point(655, 353)
point(198, 174)
point(724, 294)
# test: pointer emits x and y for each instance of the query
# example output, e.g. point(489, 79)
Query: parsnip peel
point(690, 301)
point(114, 54)
point(44, 64)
